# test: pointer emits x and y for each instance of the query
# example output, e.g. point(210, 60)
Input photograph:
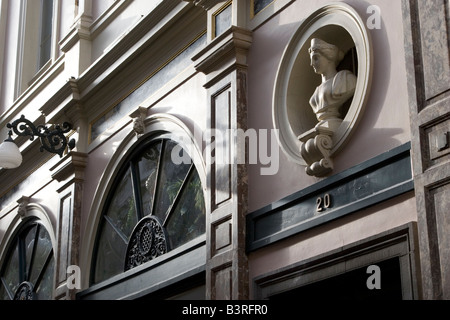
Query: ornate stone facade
point(356, 93)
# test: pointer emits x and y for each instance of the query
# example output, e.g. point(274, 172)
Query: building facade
point(208, 149)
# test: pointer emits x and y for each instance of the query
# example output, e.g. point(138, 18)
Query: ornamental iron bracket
point(147, 242)
point(52, 139)
point(25, 291)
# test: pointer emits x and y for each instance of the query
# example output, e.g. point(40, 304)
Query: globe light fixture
point(52, 140)
point(10, 156)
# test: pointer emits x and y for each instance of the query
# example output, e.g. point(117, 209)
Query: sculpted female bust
point(313, 125)
point(336, 88)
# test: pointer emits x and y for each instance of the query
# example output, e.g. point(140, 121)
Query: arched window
point(27, 273)
point(154, 206)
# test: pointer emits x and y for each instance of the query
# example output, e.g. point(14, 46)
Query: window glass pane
point(122, 208)
point(110, 254)
point(29, 247)
point(34, 255)
point(259, 5)
point(46, 32)
point(161, 188)
point(188, 219)
point(44, 56)
point(148, 170)
point(11, 274)
point(43, 249)
point(3, 294)
point(44, 288)
point(170, 181)
point(222, 21)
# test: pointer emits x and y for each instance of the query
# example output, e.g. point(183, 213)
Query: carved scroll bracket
point(315, 150)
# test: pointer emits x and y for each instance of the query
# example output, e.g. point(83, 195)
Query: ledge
point(379, 179)
point(224, 53)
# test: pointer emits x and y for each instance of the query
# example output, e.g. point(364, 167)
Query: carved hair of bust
point(328, 50)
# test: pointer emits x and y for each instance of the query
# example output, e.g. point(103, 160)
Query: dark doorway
point(352, 285)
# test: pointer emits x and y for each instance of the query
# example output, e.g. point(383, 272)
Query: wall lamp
point(52, 140)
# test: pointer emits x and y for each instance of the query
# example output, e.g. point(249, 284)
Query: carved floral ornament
point(321, 86)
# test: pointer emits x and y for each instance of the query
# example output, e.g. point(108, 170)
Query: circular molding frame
point(296, 81)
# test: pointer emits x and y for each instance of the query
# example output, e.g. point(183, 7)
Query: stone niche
point(296, 123)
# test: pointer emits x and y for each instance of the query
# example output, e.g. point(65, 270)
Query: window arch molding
point(24, 219)
point(32, 211)
point(155, 126)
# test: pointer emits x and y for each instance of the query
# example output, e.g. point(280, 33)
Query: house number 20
point(323, 203)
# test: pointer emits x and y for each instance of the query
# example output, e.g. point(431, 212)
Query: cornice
point(67, 101)
point(225, 53)
point(67, 95)
point(32, 92)
point(147, 28)
point(71, 165)
point(79, 31)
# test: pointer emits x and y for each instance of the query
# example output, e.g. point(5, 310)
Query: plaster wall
point(67, 13)
point(48, 198)
point(41, 190)
point(9, 52)
point(127, 16)
point(384, 124)
point(100, 6)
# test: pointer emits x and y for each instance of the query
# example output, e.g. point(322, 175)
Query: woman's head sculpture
point(336, 87)
point(329, 51)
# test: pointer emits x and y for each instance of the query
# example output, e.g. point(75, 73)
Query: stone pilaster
point(69, 173)
point(428, 70)
point(224, 61)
